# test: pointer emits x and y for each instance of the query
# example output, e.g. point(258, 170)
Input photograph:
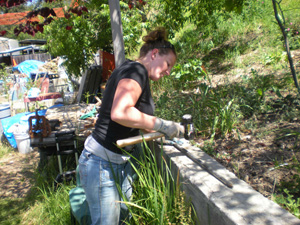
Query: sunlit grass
point(157, 197)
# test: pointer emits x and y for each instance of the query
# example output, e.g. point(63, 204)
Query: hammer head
point(187, 122)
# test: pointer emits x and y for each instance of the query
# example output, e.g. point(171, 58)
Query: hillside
point(262, 155)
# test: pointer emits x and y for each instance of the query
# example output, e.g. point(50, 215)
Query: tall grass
point(157, 198)
point(52, 208)
point(5, 149)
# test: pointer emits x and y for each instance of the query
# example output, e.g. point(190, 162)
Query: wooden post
point(117, 32)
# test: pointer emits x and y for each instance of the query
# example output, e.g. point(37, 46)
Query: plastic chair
point(79, 207)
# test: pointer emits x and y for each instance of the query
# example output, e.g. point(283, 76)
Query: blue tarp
point(28, 66)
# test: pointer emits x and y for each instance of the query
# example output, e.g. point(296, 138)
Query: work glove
point(169, 128)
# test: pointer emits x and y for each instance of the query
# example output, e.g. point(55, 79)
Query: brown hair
point(157, 39)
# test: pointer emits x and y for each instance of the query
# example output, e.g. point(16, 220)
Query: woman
point(127, 107)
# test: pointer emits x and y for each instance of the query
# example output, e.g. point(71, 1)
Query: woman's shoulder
point(133, 66)
point(132, 63)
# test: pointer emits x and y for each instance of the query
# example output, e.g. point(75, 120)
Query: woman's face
point(161, 65)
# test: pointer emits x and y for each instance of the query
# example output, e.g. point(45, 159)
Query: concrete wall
point(215, 203)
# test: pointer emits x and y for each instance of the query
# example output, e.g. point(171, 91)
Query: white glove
point(169, 128)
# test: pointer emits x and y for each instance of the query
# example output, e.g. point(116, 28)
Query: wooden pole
point(117, 32)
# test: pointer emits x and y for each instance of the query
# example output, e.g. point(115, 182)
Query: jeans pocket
point(83, 164)
point(111, 174)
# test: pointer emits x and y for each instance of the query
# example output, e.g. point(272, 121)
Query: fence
point(37, 56)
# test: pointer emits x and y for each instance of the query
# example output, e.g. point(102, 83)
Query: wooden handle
point(138, 139)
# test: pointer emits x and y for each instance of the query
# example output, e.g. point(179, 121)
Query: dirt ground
point(261, 162)
point(17, 173)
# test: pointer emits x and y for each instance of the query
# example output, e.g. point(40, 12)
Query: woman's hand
point(170, 128)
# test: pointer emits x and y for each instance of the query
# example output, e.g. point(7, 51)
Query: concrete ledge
point(215, 203)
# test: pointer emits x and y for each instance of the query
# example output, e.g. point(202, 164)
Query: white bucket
point(23, 142)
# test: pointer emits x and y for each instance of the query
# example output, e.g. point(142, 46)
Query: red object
point(20, 18)
point(14, 62)
point(3, 32)
point(42, 97)
point(108, 65)
point(44, 84)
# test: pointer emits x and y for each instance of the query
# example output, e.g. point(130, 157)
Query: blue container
point(4, 113)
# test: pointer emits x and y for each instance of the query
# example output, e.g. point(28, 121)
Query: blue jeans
point(100, 180)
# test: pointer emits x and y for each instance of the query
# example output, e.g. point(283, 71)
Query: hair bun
point(159, 34)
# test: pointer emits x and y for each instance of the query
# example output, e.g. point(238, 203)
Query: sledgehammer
point(188, 134)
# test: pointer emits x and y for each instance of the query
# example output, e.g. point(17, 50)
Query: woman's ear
point(154, 53)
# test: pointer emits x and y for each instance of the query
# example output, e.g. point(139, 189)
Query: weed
point(237, 170)
point(293, 185)
point(287, 201)
point(5, 149)
point(191, 70)
point(209, 148)
point(157, 198)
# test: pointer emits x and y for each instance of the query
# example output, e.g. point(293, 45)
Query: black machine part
point(187, 122)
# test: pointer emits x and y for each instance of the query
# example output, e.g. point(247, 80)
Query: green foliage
point(293, 185)
point(5, 149)
point(204, 13)
point(134, 24)
point(293, 33)
point(55, 206)
point(157, 198)
point(275, 57)
point(213, 113)
point(10, 211)
point(155, 14)
point(288, 202)
point(251, 92)
point(4, 76)
point(190, 71)
point(78, 38)
point(166, 99)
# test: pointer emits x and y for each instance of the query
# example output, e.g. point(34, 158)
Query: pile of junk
point(32, 78)
point(68, 111)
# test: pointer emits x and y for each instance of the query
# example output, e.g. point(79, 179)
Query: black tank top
point(107, 132)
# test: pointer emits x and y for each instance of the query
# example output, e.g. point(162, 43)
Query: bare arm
point(123, 111)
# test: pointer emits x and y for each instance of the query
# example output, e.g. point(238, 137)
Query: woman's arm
point(123, 111)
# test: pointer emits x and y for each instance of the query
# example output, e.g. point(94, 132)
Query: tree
point(281, 22)
point(77, 37)
point(44, 12)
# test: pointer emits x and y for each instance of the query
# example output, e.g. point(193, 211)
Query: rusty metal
point(41, 128)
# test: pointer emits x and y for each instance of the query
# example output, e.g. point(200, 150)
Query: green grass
point(157, 198)
point(52, 208)
point(5, 149)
